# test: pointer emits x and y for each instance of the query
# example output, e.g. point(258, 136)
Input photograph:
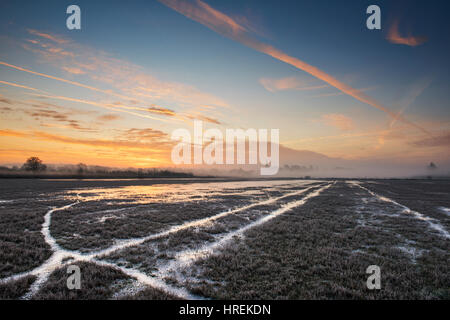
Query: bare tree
point(34, 164)
point(432, 166)
point(81, 168)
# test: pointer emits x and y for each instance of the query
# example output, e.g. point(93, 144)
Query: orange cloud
point(54, 115)
point(144, 135)
point(12, 133)
point(130, 81)
point(203, 118)
point(290, 83)
point(439, 141)
point(394, 36)
point(118, 106)
point(73, 70)
point(339, 121)
point(159, 110)
point(47, 36)
point(108, 117)
point(57, 116)
point(226, 26)
point(340, 93)
point(107, 106)
point(124, 76)
point(5, 100)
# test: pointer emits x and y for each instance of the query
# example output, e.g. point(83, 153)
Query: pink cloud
point(339, 121)
point(290, 83)
point(395, 37)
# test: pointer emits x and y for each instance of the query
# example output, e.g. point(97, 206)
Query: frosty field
point(199, 239)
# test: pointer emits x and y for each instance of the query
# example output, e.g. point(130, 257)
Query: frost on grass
point(263, 239)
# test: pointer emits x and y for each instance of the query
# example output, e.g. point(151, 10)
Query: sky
point(111, 93)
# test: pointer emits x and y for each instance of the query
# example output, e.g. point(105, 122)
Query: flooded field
point(191, 239)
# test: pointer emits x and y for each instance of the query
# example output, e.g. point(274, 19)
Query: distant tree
point(432, 166)
point(34, 164)
point(81, 168)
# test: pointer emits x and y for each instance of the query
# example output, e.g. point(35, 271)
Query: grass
point(22, 246)
point(15, 289)
point(97, 283)
point(319, 252)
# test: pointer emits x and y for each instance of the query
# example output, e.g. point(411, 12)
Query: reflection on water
point(181, 192)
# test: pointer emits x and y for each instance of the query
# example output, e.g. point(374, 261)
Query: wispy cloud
point(226, 26)
point(340, 93)
point(145, 135)
point(108, 106)
point(394, 36)
point(203, 118)
point(12, 133)
point(339, 121)
point(160, 110)
point(78, 84)
point(139, 91)
point(109, 117)
point(414, 91)
point(125, 77)
point(73, 70)
point(48, 36)
point(55, 115)
point(5, 100)
point(442, 140)
point(49, 115)
point(289, 83)
point(124, 108)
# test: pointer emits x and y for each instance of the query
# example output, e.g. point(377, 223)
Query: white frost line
point(445, 210)
point(196, 223)
point(153, 282)
point(187, 257)
point(431, 222)
point(46, 226)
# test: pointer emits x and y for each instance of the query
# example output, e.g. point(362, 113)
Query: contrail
point(226, 26)
point(64, 80)
point(21, 86)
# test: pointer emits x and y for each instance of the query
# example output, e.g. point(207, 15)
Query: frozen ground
point(278, 239)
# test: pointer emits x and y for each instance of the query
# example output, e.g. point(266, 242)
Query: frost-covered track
point(432, 223)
